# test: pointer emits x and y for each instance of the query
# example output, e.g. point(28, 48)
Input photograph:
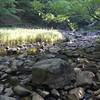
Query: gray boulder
point(54, 72)
point(85, 78)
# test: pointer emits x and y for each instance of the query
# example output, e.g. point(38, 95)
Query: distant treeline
point(51, 13)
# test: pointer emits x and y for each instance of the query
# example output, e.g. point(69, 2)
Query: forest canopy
point(53, 13)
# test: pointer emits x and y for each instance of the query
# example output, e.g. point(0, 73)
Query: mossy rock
point(32, 51)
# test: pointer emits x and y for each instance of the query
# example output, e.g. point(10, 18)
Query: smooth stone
point(2, 97)
point(55, 92)
point(36, 97)
point(21, 91)
point(42, 93)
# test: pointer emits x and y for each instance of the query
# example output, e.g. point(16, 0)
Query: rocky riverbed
point(67, 70)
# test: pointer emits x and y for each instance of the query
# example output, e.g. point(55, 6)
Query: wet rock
point(79, 92)
point(85, 78)
point(54, 72)
point(6, 98)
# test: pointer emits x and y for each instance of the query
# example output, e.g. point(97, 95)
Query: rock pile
point(63, 71)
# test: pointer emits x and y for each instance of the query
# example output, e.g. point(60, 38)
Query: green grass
point(15, 36)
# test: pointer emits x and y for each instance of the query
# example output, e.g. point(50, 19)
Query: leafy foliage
point(7, 7)
point(73, 12)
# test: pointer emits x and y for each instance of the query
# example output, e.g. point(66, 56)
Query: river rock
point(54, 72)
point(54, 49)
point(42, 93)
point(98, 76)
point(1, 88)
point(79, 92)
point(8, 92)
point(21, 91)
point(6, 98)
point(11, 51)
point(55, 92)
point(71, 97)
point(85, 78)
point(97, 94)
point(36, 97)
point(45, 56)
point(25, 98)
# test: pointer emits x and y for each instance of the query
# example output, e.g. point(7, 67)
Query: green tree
point(7, 7)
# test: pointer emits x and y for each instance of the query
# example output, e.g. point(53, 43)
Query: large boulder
point(54, 72)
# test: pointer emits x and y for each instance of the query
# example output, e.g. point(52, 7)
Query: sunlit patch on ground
point(15, 36)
